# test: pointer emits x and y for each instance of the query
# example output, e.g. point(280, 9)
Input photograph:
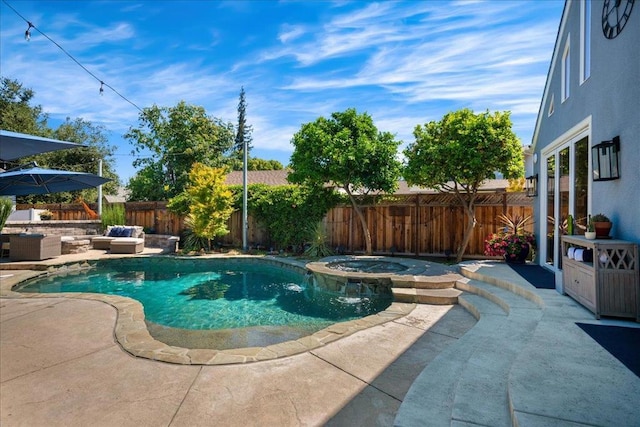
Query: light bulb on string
point(101, 88)
point(27, 34)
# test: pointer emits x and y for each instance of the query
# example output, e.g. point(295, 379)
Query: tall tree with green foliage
point(243, 131)
point(348, 152)
point(458, 153)
point(170, 140)
point(17, 113)
point(210, 201)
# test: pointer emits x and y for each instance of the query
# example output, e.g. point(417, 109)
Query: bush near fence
point(421, 224)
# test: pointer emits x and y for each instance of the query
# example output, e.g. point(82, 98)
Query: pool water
point(213, 294)
point(367, 266)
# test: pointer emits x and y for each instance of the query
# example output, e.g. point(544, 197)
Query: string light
point(27, 34)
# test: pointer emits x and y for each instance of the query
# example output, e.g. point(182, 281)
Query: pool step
point(442, 281)
point(426, 296)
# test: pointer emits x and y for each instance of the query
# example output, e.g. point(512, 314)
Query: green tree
point(18, 115)
point(347, 152)
point(86, 159)
point(210, 201)
point(458, 153)
point(148, 184)
point(16, 112)
point(255, 164)
point(171, 140)
point(288, 212)
point(243, 131)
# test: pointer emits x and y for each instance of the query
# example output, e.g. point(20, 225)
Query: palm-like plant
point(514, 224)
point(318, 247)
point(191, 240)
point(6, 205)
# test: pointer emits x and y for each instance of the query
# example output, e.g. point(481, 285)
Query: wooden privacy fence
point(153, 216)
point(424, 224)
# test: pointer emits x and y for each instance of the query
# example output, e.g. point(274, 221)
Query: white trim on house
point(551, 106)
point(566, 70)
point(571, 134)
point(585, 40)
point(568, 139)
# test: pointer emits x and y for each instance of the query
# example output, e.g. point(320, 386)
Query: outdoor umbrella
point(36, 180)
point(15, 145)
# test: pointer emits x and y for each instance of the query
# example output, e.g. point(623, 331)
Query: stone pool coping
point(415, 269)
point(133, 336)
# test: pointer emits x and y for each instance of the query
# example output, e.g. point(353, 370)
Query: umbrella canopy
point(43, 181)
point(15, 145)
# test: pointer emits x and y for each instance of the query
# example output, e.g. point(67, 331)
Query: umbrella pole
point(100, 188)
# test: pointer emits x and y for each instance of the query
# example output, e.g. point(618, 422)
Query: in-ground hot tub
point(367, 266)
point(363, 275)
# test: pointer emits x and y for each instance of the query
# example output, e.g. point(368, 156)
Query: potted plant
point(590, 234)
point(513, 242)
point(602, 225)
point(46, 215)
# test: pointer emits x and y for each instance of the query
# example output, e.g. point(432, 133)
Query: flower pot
point(590, 235)
point(519, 258)
point(602, 229)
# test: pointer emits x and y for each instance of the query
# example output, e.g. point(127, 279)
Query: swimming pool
point(183, 298)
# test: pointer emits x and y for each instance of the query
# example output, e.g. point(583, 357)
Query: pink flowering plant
point(511, 244)
point(511, 241)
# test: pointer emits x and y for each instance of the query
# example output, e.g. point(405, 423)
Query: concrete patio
point(523, 362)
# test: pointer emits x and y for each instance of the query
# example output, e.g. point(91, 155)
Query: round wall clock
point(615, 15)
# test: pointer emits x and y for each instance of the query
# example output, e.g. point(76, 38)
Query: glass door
point(551, 205)
point(581, 186)
point(567, 196)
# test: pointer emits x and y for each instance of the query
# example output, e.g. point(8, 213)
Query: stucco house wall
point(605, 105)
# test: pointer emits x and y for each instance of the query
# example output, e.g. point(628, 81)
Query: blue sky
point(403, 62)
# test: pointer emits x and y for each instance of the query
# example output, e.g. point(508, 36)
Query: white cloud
point(290, 32)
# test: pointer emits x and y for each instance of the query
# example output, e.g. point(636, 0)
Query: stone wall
point(165, 241)
point(55, 228)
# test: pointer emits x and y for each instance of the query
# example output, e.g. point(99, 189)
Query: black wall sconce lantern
point(532, 185)
point(606, 160)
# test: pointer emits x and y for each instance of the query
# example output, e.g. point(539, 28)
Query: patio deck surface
point(60, 364)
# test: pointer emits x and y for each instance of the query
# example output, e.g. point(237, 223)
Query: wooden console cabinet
point(609, 285)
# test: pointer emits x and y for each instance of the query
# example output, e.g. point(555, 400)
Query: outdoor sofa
point(121, 239)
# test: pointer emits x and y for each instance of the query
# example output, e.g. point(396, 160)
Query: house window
point(551, 106)
point(566, 72)
point(585, 40)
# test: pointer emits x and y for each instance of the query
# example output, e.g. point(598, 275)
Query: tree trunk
point(363, 222)
point(468, 231)
point(469, 210)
